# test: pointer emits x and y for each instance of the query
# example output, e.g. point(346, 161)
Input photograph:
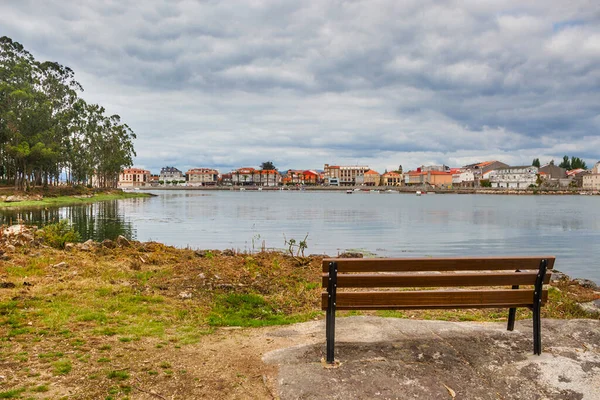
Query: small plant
point(118, 375)
point(58, 234)
point(296, 249)
point(62, 367)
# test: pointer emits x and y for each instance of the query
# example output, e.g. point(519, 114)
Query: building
point(346, 175)
point(202, 177)
point(431, 177)
point(471, 175)
point(243, 176)
point(266, 177)
point(226, 179)
point(134, 177)
point(591, 181)
point(170, 174)
point(392, 179)
point(372, 178)
point(520, 177)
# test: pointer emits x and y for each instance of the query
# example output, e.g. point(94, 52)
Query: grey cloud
point(309, 82)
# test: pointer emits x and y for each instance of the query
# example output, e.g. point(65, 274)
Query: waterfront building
point(134, 177)
point(349, 175)
point(266, 177)
point(471, 175)
point(372, 178)
point(430, 177)
point(591, 181)
point(519, 177)
point(170, 174)
point(392, 178)
point(202, 177)
point(243, 176)
point(226, 179)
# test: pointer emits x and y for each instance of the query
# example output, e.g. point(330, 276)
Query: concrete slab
point(388, 358)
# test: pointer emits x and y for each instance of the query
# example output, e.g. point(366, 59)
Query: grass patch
point(118, 375)
point(40, 389)
point(70, 200)
point(247, 310)
point(62, 367)
point(11, 394)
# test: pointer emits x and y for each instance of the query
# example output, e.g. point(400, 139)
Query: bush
point(56, 235)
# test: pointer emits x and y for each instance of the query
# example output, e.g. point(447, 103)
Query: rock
point(122, 241)
point(14, 199)
point(10, 248)
point(15, 230)
point(318, 256)
point(201, 276)
point(558, 277)
point(27, 284)
point(185, 295)
point(109, 244)
point(4, 257)
point(591, 307)
point(350, 254)
point(61, 265)
point(586, 283)
point(228, 252)
point(202, 253)
point(69, 246)
point(6, 285)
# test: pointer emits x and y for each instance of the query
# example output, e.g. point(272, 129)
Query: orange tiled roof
point(371, 172)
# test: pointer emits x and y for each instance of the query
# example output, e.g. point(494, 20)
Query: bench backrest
point(497, 280)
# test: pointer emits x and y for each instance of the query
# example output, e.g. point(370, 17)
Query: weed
point(40, 389)
point(118, 375)
point(165, 365)
point(58, 234)
point(11, 394)
point(152, 372)
point(62, 367)
point(103, 360)
point(105, 347)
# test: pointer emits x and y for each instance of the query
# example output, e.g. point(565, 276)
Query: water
point(401, 225)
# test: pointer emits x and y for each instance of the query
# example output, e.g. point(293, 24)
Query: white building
point(592, 181)
point(170, 174)
point(463, 177)
point(520, 177)
point(202, 177)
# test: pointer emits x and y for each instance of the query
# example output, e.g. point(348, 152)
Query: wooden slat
point(437, 264)
point(394, 300)
point(451, 279)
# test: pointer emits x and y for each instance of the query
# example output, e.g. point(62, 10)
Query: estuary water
point(390, 224)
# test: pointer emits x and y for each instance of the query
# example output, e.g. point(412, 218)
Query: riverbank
point(57, 199)
point(385, 190)
point(120, 318)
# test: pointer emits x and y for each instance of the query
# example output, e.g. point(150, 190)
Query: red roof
point(371, 172)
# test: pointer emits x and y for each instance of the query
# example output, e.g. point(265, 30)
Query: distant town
point(487, 174)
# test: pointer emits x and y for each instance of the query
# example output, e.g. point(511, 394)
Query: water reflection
point(97, 221)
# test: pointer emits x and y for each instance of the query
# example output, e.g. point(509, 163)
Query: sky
point(229, 84)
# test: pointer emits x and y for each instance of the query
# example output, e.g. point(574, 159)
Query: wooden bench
point(493, 282)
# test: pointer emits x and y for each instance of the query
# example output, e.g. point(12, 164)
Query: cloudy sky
point(227, 84)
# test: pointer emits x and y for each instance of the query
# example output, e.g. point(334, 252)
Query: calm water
point(383, 224)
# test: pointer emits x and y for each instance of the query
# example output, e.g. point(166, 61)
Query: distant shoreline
point(384, 189)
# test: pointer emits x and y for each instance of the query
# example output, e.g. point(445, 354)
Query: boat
point(242, 189)
point(259, 189)
point(349, 191)
point(418, 193)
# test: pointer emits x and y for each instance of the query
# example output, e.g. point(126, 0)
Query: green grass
point(70, 200)
point(40, 389)
point(118, 375)
point(62, 367)
point(248, 310)
point(11, 394)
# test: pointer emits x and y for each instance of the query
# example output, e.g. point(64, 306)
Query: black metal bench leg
point(512, 313)
point(330, 322)
point(537, 307)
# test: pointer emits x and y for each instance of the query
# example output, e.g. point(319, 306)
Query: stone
point(350, 254)
point(591, 307)
point(202, 253)
point(122, 241)
point(10, 248)
point(558, 277)
point(185, 295)
point(61, 265)
point(109, 244)
point(586, 283)
point(229, 253)
point(6, 285)
point(69, 246)
point(14, 199)
point(14, 230)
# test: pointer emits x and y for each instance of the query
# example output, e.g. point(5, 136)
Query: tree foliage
point(536, 162)
point(47, 130)
point(267, 165)
point(572, 163)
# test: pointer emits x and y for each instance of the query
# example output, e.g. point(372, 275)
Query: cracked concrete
point(388, 358)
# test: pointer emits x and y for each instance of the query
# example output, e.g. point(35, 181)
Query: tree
point(536, 162)
point(566, 163)
point(267, 165)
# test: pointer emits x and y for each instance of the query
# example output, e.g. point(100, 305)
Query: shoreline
point(26, 201)
point(384, 190)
